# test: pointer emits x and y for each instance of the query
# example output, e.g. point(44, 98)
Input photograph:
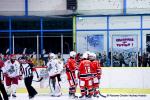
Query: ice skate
point(9, 95)
point(89, 96)
point(58, 94)
point(95, 95)
point(14, 95)
point(52, 94)
point(74, 96)
point(31, 97)
point(82, 97)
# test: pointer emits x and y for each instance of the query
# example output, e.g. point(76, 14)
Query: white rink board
point(126, 78)
point(137, 78)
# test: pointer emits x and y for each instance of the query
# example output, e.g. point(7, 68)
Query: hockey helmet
point(92, 56)
point(72, 54)
point(52, 56)
point(23, 59)
point(85, 56)
point(13, 56)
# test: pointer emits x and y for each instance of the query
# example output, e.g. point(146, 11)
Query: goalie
point(54, 69)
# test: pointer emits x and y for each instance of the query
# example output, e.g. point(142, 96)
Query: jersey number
point(87, 68)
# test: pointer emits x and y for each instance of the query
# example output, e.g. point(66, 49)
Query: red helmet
point(1, 64)
point(12, 56)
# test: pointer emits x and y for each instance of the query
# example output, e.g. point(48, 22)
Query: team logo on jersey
point(9, 62)
point(44, 73)
point(49, 67)
point(87, 65)
point(11, 70)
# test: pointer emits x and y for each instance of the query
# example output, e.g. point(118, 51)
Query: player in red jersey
point(70, 72)
point(85, 76)
point(96, 73)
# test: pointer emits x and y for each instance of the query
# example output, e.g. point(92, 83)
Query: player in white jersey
point(11, 71)
point(54, 69)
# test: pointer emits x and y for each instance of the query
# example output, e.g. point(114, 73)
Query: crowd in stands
point(116, 59)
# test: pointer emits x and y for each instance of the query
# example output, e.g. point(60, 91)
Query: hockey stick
point(24, 51)
point(102, 95)
point(39, 80)
point(7, 51)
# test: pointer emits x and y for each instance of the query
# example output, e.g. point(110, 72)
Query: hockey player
point(96, 73)
point(70, 72)
point(11, 70)
point(85, 77)
point(2, 88)
point(54, 70)
point(27, 72)
point(60, 61)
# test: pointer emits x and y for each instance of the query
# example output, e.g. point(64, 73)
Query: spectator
point(139, 59)
point(149, 59)
point(121, 60)
point(144, 60)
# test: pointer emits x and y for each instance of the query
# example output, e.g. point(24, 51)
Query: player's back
point(96, 70)
point(71, 64)
point(85, 68)
point(96, 66)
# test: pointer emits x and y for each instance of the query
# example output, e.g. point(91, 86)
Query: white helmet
point(92, 55)
point(87, 52)
point(52, 56)
point(85, 56)
point(72, 54)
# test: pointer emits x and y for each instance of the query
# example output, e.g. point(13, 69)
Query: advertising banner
point(94, 43)
point(124, 50)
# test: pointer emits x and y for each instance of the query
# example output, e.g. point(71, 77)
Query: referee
point(2, 88)
point(27, 72)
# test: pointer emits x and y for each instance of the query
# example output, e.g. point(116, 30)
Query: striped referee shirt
point(26, 70)
point(1, 72)
point(1, 75)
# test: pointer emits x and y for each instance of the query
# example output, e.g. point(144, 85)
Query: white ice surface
point(65, 97)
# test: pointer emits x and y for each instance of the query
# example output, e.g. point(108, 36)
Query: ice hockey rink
point(43, 89)
point(24, 96)
point(118, 31)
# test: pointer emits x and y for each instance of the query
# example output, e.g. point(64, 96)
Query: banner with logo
point(94, 43)
point(124, 50)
